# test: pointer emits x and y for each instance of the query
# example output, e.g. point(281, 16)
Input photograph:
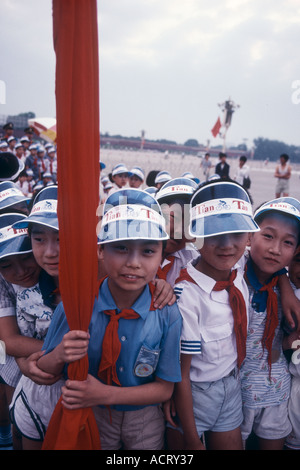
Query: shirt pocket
point(146, 361)
point(217, 342)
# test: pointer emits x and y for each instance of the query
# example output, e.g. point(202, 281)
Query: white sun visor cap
point(121, 168)
point(44, 209)
point(190, 175)
point(13, 241)
point(10, 195)
point(162, 177)
point(131, 214)
point(176, 188)
point(221, 207)
point(287, 205)
point(137, 171)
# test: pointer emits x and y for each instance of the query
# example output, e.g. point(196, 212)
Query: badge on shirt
point(146, 362)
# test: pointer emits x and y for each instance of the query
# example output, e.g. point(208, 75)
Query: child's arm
point(163, 294)
point(184, 406)
point(16, 344)
point(28, 367)
point(73, 347)
point(92, 392)
point(290, 303)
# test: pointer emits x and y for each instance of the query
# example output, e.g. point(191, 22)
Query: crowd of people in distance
point(193, 341)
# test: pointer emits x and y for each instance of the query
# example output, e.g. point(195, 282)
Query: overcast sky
point(166, 64)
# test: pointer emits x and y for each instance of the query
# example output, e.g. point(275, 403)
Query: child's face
point(294, 270)
point(21, 269)
point(135, 181)
point(45, 247)
point(130, 265)
point(220, 253)
point(121, 179)
point(273, 247)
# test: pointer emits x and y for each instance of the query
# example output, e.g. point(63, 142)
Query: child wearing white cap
point(161, 178)
point(136, 177)
point(23, 327)
point(174, 198)
point(134, 360)
point(119, 177)
point(32, 403)
point(211, 293)
point(18, 270)
point(264, 374)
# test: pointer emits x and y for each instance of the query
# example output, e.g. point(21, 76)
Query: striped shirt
point(258, 389)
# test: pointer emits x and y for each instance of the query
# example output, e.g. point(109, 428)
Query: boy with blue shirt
point(133, 348)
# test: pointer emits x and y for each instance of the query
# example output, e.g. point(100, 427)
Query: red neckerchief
point(238, 306)
point(184, 276)
point(271, 319)
point(111, 346)
point(163, 272)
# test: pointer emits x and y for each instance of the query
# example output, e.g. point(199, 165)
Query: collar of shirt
point(205, 282)
point(259, 299)
point(140, 306)
point(188, 253)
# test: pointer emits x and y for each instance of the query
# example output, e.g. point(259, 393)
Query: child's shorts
point(217, 405)
point(293, 440)
point(131, 430)
point(271, 422)
point(32, 407)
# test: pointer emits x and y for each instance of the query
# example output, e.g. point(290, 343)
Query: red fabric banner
point(215, 130)
point(75, 37)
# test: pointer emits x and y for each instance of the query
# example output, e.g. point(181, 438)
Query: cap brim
point(15, 246)
point(131, 230)
point(41, 219)
point(222, 223)
point(11, 201)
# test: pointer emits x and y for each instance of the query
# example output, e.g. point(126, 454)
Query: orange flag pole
point(77, 113)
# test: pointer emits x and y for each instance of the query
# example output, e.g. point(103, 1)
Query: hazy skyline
point(166, 64)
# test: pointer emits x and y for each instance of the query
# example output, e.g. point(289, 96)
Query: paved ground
point(262, 176)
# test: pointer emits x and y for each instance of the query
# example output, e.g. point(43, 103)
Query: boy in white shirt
point(212, 297)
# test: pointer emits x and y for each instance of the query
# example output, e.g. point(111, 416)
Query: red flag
point(77, 113)
point(215, 130)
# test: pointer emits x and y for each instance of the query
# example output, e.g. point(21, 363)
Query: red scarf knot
point(271, 319)
point(163, 272)
point(185, 276)
point(111, 346)
point(238, 306)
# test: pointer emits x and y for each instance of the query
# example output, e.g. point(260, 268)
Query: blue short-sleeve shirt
point(150, 344)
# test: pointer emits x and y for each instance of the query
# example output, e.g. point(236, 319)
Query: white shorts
point(293, 440)
point(32, 406)
point(271, 422)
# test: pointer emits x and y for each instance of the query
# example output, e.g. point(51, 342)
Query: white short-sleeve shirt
point(208, 325)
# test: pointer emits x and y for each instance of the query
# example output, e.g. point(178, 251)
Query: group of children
point(205, 371)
